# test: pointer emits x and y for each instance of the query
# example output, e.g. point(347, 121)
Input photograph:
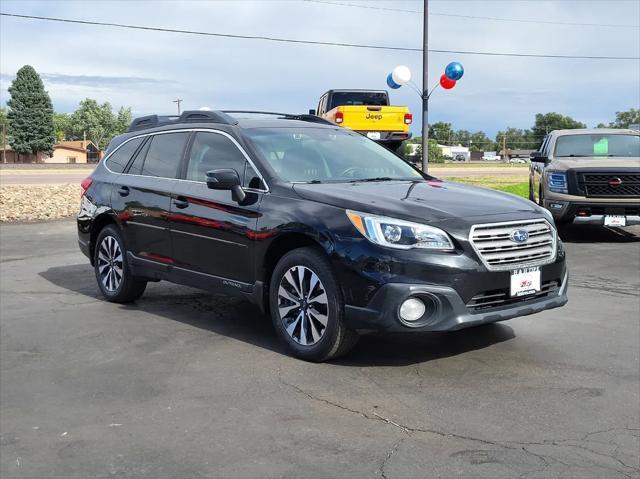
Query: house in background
point(459, 152)
point(74, 151)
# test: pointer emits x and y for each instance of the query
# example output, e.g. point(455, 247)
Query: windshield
point(340, 98)
point(598, 145)
point(323, 154)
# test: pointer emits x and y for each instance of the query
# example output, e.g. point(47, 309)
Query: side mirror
point(226, 179)
point(312, 112)
point(538, 157)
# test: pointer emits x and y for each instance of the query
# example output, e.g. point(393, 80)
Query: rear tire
point(307, 307)
point(112, 268)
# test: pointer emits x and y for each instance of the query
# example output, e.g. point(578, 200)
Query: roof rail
point(189, 116)
point(287, 116)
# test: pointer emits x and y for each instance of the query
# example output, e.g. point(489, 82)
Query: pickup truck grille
point(608, 185)
point(498, 298)
point(496, 249)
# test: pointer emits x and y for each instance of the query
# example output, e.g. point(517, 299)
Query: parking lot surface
point(184, 384)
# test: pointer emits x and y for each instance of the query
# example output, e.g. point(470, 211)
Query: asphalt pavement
point(185, 384)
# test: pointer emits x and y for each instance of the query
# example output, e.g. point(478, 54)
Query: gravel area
point(38, 202)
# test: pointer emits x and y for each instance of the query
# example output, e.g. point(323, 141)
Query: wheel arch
point(280, 246)
point(97, 225)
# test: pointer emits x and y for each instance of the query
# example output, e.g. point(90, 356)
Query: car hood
point(591, 162)
point(419, 200)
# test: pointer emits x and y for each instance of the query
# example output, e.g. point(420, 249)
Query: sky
point(148, 70)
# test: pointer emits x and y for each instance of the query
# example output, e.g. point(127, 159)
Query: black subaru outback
point(324, 229)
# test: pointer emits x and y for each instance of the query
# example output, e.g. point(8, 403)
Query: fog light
point(412, 309)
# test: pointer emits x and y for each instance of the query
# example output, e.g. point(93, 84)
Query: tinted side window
point(212, 151)
point(135, 168)
point(118, 160)
point(163, 154)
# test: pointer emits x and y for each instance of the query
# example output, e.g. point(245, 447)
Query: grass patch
point(461, 164)
point(520, 189)
point(509, 184)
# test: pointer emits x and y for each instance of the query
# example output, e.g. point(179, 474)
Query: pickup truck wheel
point(112, 269)
point(307, 307)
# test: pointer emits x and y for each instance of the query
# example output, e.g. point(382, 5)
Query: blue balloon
point(393, 85)
point(454, 71)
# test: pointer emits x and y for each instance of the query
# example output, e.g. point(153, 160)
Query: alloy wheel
point(303, 305)
point(110, 266)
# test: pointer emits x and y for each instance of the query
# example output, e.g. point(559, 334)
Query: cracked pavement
point(188, 384)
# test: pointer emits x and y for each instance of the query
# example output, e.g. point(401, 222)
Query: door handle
point(123, 190)
point(180, 203)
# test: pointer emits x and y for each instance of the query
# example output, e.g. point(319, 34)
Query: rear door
point(142, 196)
point(212, 234)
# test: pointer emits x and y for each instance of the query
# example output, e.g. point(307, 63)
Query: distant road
point(61, 176)
point(42, 177)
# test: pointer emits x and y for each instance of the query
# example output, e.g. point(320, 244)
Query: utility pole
point(178, 101)
point(504, 146)
point(425, 88)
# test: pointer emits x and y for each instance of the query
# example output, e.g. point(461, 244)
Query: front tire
point(112, 269)
point(307, 307)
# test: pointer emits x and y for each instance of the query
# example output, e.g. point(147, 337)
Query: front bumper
point(567, 211)
point(450, 313)
point(388, 136)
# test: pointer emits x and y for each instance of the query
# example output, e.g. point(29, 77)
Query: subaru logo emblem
point(519, 236)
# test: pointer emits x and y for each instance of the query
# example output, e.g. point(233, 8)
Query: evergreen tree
point(30, 114)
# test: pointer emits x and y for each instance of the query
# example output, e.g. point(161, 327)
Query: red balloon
point(446, 82)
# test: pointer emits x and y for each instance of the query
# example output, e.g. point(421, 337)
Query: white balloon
point(401, 75)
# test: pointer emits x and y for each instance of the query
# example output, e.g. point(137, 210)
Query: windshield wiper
point(379, 178)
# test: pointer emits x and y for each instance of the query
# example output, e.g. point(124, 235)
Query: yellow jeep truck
point(368, 112)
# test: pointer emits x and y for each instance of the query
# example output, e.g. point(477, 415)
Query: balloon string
point(415, 88)
point(433, 89)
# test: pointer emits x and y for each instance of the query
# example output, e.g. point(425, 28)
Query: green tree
point(480, 142)
point(517, 139)
point(4, 122)
point(62, 126)
point(95, 121)
point(461, 137)
point(554, 121)
point(435, 153)
point(441, 132)
point(626, 118)
point(123, 121)
point(30, 114)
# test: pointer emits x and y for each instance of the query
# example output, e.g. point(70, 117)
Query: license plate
point(611, 220)
point(525, 281)
point(373, 135)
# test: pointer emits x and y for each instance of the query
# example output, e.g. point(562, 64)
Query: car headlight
point(557, 182)
point(399, 234)
point(547, 214)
